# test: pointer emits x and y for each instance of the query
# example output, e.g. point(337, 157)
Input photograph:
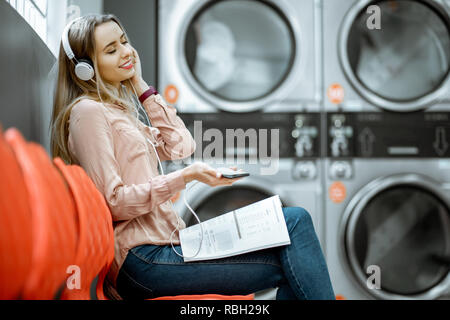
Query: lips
point(128, 65)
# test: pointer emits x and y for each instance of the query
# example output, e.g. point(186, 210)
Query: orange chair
point(96, 239)
point(54, 227)
point(15, 225)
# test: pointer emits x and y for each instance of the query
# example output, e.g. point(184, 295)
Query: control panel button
point(341, 170)
point(305, 170)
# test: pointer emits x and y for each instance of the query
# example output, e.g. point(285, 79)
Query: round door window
point(405, 231)
point(239, 50)
point(226, 201)
point(403, 57)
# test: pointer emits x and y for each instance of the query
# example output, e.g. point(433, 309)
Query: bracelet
point(150, 92)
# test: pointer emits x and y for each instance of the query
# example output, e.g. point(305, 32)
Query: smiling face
point(114, 54)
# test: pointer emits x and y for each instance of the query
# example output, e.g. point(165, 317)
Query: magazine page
point(258, 226)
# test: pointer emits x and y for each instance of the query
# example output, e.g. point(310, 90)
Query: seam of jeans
point(297, 282)
point(137, 255)
point(135, 282)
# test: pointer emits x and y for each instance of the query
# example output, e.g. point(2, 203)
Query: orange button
point(171, 94)
point(336, 93)
point(337, 192)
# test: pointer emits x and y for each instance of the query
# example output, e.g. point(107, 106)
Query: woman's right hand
point(139, 84)
point(206, 174)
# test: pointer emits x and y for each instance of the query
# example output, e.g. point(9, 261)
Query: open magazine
point(260, 225)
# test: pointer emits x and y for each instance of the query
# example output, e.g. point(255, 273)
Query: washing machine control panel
point(256, 135)
point(388, 135)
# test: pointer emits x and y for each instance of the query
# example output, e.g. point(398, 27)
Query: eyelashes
point(114, 51)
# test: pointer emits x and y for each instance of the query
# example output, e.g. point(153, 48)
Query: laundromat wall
point(25, 62)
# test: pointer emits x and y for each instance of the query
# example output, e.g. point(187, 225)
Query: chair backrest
point(15, 225)
point(54, 226)
point(96, 237)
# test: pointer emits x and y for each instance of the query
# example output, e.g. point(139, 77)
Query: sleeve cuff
point(175, 182)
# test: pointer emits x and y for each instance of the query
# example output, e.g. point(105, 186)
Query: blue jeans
point(299, 270)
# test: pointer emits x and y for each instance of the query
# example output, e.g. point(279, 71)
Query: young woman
point(95, 125)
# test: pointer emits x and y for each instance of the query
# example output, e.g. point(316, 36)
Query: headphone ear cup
point(84, 70)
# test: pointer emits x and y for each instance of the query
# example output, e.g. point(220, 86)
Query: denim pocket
point(145, 252)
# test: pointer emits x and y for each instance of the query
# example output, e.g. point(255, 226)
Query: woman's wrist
point(188, 174)
point(141, 86)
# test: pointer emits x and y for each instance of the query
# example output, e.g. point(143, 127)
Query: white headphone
point(83, 67)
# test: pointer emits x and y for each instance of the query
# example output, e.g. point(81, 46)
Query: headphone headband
point(83, 68)
point(65, 39)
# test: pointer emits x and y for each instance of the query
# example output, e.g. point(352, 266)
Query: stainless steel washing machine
point(386, 55)
point(387, 212)
point(386, 103)
point(240, 55)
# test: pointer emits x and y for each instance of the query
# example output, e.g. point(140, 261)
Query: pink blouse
point(114, 152)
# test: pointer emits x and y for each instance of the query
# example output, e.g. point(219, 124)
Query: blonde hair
point(69, 90)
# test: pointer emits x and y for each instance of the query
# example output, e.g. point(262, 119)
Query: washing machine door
point(405, 64)
point(213, 202)
point(399, 226)
point(238, 54)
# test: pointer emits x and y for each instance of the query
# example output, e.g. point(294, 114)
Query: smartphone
point(228, 173)
point(235, 175)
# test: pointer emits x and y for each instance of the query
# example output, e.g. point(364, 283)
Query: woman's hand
point(139, 84)
point(204, 173)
